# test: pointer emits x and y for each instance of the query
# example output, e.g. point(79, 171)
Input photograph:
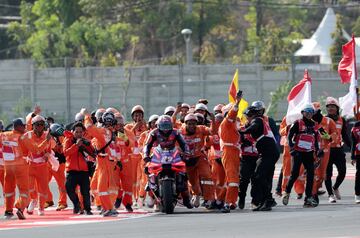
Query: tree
point(115, 31)
point(339, 41)
point(356, 27)
point(52, 29)
point(7, 47)
point(276, 96)
point(273, 44)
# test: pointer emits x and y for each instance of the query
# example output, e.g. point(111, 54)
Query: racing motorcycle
point(167, 177)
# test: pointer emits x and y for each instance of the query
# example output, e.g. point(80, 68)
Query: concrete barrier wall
point(61, 92)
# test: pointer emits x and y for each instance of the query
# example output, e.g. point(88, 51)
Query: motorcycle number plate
point(166, 160)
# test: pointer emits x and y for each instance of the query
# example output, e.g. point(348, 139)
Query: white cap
point(169, 109)
point(201, 106)
point(37, 118)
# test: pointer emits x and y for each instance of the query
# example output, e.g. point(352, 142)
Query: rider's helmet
point(56, 130)
point(108, 119)
point(164, 124)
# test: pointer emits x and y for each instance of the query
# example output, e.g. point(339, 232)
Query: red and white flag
point(299, 96)
point(347, 72)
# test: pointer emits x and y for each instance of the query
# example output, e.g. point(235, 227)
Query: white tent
point(321, 41)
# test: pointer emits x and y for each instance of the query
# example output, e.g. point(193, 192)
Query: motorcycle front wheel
point(168, 204)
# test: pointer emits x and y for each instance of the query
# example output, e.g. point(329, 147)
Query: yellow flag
point(234, 87)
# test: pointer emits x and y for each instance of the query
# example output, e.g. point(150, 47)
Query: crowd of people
point(101, 160)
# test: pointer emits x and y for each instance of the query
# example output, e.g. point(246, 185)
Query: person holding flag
point(303, 139)
point(337, 154)
point(348, 74)
point(230, 158)
point(299, 116)
point(299, 96)
point(355, 157)
point(229, 142)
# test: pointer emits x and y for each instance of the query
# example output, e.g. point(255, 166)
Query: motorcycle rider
point(166, 137)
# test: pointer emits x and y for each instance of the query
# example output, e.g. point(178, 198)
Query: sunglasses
point(39, 124)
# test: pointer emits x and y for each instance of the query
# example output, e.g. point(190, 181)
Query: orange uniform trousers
point(218, 175)
point(93, 188)
point(200, 179)
point(286, 167)
point(320, 172)
point(2, 171)
point(137, 173)
point(231, 162)
point(38, 180)
point(16, 175)
point(125, 182)
point(143, 181)
point(60, 180)
point(104, 181)
point(114, 181)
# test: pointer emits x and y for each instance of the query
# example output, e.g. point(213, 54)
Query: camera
point(85, 142)
point(239, 93)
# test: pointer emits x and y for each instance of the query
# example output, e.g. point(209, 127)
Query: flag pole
point(356, 78)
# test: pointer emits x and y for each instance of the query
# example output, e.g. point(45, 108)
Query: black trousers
point(81, 178)
point(337, 158)
point(307, 159)
point(247, 171)
point(357, 178)
point(264, 171)
point(262, 182)
point(280, 180)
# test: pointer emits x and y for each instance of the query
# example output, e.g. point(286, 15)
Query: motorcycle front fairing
point(166, 161)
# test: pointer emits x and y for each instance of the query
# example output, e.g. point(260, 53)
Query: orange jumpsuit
point(38, 166)
point(135, 156)
point(124, 177)
point(199, 173)
point(229, 144)
point(320, 172)
point(59, 176)
point(104, 168)
point(217, 169)
point(16, 171)
point(286, 166)
point(143, 181)
point(1, 169)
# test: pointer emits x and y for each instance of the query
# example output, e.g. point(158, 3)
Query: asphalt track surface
point(327, 220)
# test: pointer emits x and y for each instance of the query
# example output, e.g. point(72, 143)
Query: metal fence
point(61, 92)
